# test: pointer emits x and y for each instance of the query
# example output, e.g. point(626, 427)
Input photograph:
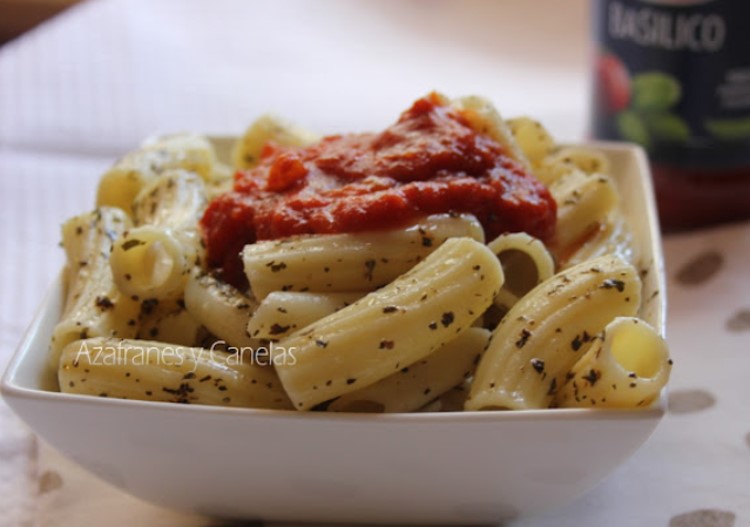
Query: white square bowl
point(464, 467)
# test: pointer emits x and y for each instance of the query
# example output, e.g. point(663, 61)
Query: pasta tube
point(93, 304)
point(268, 129)
point(567, 160)
point(526, 262)
point(169, 322)
point(587, 160)
point(393, 327)
point(485, 119)
point(154, 259)
point(221, 175)
point(150, 262)
point(626, 367)
point(175, 199)
point(360, 261)
point(218, 187)
point(548, 330)
point(156, 371)
point(613, 238)
point(414, 386)
point(120, 185)
point(221, 308)
point(532, 138)
point(584, 203)
point(454, 399)
point(284, 312)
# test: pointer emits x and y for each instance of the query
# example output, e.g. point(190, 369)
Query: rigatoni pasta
point(409, 313)
point(614, 237)
point(484, 117)
point(120, 185)
point(412, 387)
point(157, 371)
point(543, 336)
point(284, 312)
point(221, 309)
point(93, 306)
point(268, 130)
point(153, 259)
point(585, 204)
point(392, 327)
point(169, 321)
point(626, 367)
point(526, 263)
point(361, 261)
point(560, 162)
point(532, 138)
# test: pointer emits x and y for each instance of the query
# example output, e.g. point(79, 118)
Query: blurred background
point(330, 65)
point(21, 15)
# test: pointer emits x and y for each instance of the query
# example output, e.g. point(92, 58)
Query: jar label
point(674, 76)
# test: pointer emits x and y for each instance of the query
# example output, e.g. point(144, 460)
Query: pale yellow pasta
point(485, 119)
point(150, 262)
point(221, 308)
point(563, 161)
point(217, 188)
point(414, 386)
point(393, 327)
point(420, 318)
point(433, 406)
point(627, 367)
point(176, 199)
point(548, 330)
point(614, 237)
point(120, 185)
point(284, 312)
point(585, 159)
point(360, 261)
point(585, 203)
point(454, 399)
point(221, 174)
point(268, 128)
point(526, 262)
point(532, 138)
point(154, 259)
point(93, 304)
point(169, 321)
point(157, 371)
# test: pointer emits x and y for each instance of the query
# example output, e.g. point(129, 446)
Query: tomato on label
point(612, 84)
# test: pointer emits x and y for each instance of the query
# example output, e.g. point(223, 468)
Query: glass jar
point(674, 76)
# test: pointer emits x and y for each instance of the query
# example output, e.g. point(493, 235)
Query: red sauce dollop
point(430, 161)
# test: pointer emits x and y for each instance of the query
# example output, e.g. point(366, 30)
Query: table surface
point(90, 84)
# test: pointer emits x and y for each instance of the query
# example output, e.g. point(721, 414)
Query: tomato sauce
point(430, 161)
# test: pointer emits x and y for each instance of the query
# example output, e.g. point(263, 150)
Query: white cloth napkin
point(90, 84)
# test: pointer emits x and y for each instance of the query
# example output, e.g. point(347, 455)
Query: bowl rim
point(11, 389)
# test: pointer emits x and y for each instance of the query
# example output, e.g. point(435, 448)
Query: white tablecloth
point(88, 85)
